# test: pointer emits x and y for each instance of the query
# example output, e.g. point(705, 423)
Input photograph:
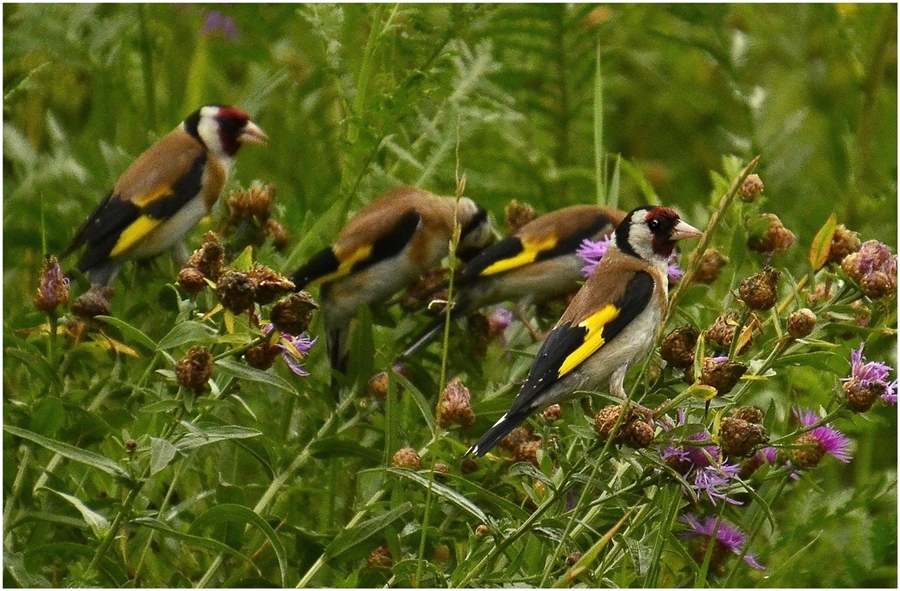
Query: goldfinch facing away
point(536, 263)
point(164, 193)
point(386, 247)
point(609, 326)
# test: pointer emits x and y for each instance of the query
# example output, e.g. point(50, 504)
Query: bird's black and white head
point(651, 233)
point(476, 232)
point(222, 129)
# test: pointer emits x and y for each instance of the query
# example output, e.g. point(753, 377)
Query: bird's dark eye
point(653, 224)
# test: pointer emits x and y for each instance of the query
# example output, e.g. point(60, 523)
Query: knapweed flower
point(867, 382)
point(714, 481)
point(216, 21)
point(728, 538)
point(591, 251)
point(873, 268)
point(814, 445)
point(293, 349)
point(455, 407)
point(54, 289)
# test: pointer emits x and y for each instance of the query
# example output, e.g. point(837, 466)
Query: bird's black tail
point(501, 429)
point(462, 305)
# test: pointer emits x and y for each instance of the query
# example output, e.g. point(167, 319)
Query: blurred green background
point(359, 98)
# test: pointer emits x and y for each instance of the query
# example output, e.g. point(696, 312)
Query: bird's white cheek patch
point(593, 340)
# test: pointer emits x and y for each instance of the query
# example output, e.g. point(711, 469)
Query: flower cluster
point(867, 382)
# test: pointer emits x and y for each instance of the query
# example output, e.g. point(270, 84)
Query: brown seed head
point(195, 368)
point(677, 348)
point(262, 356)
point(605, 421)
point(209, 259)
point(236, 291)
point(721, 374)
point(407, 457)
point(552, 413)
point(191, 280)
point(801, 323)
point(759, 291)
point(94, 302)
point(573, 558)
point(293, 313)
point(710, 266)
point(844, 243)
point(641, 435)
point(740, 438)
point(455, 406)
point(54, 287)
point(750, 188)
point(268, 284)
point(482, 531)
point(254, 203)
point(380, 557)
point(873, 268)
point(723, 329)
point(751, 414)
point(517, 215)
point(860, 398)
point(773, 238)
point(809, 452)
point(378, 386)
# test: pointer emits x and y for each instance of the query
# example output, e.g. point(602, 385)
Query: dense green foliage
point(265, 479)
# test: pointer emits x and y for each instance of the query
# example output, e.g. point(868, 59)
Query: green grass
point(265, 479)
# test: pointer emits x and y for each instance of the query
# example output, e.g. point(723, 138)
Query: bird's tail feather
point(501, 429)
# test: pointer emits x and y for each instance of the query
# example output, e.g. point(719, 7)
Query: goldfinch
point(164, 193)
point(536, 263)
point(384, 248)
point(609, 326)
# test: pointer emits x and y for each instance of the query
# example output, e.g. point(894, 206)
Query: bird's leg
point(617, 389)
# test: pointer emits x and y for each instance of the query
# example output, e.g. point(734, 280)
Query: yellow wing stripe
point(133, 234)
point(146, 199)
point(593, 340)
point(530, 251)
point(346, 265)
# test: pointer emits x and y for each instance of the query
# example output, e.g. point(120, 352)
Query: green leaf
point(202, 542)
point(245, 372)
point(821, 244)
point(425, 407)
point(189, 331)
point(161, 453)
point(233, 512)
point(348, 538)
point(335, 447)
point(98, 524)
point(129, 332)
point(71, 452)
point(244, 260)
point(447, 493)
point(198, 437)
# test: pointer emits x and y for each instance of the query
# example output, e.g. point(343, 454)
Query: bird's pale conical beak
point(252, 134)
point(684, 230)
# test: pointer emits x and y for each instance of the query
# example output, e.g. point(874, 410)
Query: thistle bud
point(380, 557)
point(236, 291)
point(721, 374)
point(517, 215)
point(751, 414)
point(860, 395)
point(523, 444)
point(573, 558)
point(209, 259)
point(407, 457)
point(751, 188)
point(54, 288)
point(801, 323)
point(605, 420)
point(482, 531)
point(844, 242)
point(293, 313)
point(191, 280)
point(710, 266)
point(773, 238)
point(677, 348)
point(740, 438)
point(455, 407)
point(641, 435)
point(378, 386)
point(759, 291)
point(723, 330)
point(94, 302)
point(252, 204)
point(195, 368)
point(873, 268)
point(262, 356)
point(552, 413)
point(268, 285)
point(809, 451)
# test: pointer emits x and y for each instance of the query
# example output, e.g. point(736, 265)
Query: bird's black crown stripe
point(477, 219)
point(191, 123)
point(624, 230)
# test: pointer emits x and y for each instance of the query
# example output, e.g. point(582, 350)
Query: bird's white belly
point(170, 232)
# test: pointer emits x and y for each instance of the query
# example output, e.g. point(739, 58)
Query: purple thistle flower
point(714, 481)
point(729, 536)
point(216, 21)
point(591, 251)
point(293, 349)
point(830, 440)
point(872, 374)
point(54, 287)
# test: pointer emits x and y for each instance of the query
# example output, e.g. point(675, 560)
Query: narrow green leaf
point(198, 437)
point(245, 372)
point(233, 512)
point(98, 524)
point(353, 536)
point(425, 407)
point(335, 447)
point(589, 557)
point(130, 333)
point(71, 452)
point(202, 542)
point(161, 453)
point(244, 260)
point(186, 332)
point(821, 244)
point(445, 492)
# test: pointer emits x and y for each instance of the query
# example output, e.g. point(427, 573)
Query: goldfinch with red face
point(536, 263)
point(384, 248)
point(610, 325)
point(164, 193)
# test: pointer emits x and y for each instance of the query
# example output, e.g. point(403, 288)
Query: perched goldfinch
point(386, 247)
point(164, 193)
point(536, 263)
point(610, 324)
